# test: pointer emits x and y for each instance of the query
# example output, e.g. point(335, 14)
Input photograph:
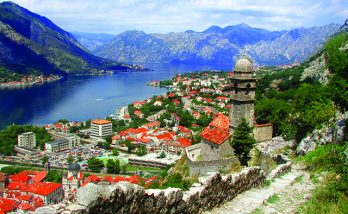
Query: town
point(137, 142)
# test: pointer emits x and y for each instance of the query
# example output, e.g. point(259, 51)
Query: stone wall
point(203, 167)
point(123, 197)
point(263, 132)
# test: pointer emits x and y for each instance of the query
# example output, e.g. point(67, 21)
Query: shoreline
point(17, 84)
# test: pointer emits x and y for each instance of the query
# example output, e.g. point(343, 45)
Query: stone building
point(243, 86)
point(72, 179)
point(215, 152)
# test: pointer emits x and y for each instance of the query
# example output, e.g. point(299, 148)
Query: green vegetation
point(331, 161)
point(54, 176)
point(176, 180)
point(115, 152)
point(44, 160)
point(165, 83)
point(141, 150)
point(297, 107)
point(242, 141)
point(113, 166)
point(256, 211)
point(8, 137)
point(70, 159)
point(10, 170)
point(95, 165)
point(9, 76)
point(273, 199)
point(162, 155)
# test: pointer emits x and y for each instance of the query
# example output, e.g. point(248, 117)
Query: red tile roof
point(137, 112)
point(263, 125)
point(221, 98)
point(25, 207)
point(221, 122)
point(42, 188)
point(16, 186)
point(184, 129)
point(171, 95)
point(166, 136)
point(215, 135)
point(39, 176)
point(7, 205)
point(184, 142)
point(155, 123)
point(100, 122)
point(176, 102)
point(20, 177)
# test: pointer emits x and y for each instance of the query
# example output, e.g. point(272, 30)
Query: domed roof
point(243, 64)
point(74, 167)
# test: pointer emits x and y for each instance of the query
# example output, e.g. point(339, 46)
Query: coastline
point(22, 84)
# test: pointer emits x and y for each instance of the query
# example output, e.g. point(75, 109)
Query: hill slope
point(30, 42)
point(217, 45)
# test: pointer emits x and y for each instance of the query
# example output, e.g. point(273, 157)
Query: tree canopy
point(242, 141)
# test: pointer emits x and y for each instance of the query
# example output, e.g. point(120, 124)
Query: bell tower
point(243, 86)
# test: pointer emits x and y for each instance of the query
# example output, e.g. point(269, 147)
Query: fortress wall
point(123, 197)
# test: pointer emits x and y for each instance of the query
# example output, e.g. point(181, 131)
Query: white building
point(27, 139)
point(58, 145)
point(101, 128)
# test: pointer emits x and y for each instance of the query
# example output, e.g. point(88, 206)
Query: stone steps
point(256, 197)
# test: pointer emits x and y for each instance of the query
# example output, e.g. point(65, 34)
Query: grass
point(298, 179)
point(328, 169)
point(273, 199)
point(257, 211)
point(133, 168)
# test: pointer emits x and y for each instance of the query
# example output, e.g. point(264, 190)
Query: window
point(248, 88)
point(236, 88)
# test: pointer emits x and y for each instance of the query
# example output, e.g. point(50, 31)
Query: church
point(215, 152)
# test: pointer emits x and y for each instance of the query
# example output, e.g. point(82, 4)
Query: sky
point(163, 16)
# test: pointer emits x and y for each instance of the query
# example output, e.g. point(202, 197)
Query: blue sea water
point(86, 97)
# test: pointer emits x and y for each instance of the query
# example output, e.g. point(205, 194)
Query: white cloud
point(114, 16)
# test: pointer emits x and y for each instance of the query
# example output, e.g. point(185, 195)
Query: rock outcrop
point(321, 137)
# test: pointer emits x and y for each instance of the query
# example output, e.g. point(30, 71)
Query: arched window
point(236, 88)
point(248, 88)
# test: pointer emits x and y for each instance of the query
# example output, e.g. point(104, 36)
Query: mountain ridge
point(33, 43)
point(215, 45)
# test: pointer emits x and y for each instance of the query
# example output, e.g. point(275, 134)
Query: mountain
point(186, 47)
point(92, 40)
point(243, 34)
point(217, 45)
point(32, 43)
point(293, 46)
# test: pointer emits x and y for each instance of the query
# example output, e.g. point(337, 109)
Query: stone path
point(289, 194)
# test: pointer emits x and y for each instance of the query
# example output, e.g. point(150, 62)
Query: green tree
point(44, 160)
point(242, 141)
point(141, 151)
point(130, 146)
point(115, 152)
point(54, 176)
point(106, 145)
point(162, 155)
point(70, 159)
point(113, 166)
point(63, 121)
point(95, 165)
point(108, 139)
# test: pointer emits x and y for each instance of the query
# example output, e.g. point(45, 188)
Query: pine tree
point(242, 141)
